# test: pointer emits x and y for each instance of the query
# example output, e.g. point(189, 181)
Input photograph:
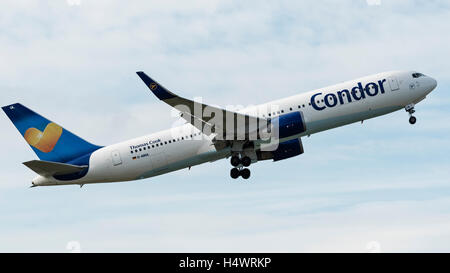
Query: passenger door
point(393, 83)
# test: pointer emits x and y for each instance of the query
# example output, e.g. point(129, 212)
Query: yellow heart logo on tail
point(44, 141)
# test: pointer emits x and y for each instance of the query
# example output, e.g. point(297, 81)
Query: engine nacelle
point(288, 149)
point(287, 125)
point(284, 150)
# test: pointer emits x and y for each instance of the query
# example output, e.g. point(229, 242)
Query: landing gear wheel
point(234, 173)
point(246, 161)
point(245, 173)
point(410, 109)
point(235, 160)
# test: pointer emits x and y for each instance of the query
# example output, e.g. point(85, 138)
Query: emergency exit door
point(116, 160)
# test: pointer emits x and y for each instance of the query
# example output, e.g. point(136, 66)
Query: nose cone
point(429, 84)
point(433, 83)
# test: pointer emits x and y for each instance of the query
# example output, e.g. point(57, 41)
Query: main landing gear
point(239, 164)
point(410, 109)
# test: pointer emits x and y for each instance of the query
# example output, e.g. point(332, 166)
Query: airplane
point(269, 131)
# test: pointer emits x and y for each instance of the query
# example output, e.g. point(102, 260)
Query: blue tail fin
point(48, 140)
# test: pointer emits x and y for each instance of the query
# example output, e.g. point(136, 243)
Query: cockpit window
point(417, 75)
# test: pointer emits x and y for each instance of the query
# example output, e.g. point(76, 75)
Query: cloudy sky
point(381, 186)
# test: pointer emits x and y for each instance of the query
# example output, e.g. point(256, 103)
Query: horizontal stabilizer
point(48, 168)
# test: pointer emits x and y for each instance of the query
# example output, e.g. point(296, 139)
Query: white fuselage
point(185, 146)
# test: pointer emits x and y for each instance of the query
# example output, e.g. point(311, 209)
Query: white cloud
point(396, 225)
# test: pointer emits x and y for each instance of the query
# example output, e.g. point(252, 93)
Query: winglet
point(157, 89)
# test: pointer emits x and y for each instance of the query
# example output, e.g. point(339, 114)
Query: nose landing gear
point(410, 109)
point(239, 164)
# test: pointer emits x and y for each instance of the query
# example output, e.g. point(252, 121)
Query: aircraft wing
point(209, 119)
point(48, 168)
